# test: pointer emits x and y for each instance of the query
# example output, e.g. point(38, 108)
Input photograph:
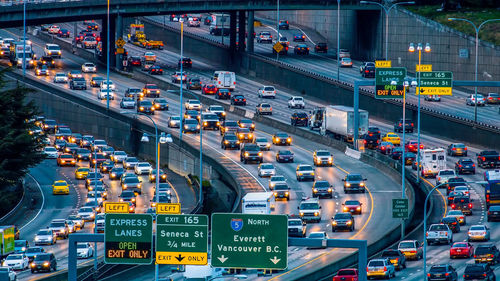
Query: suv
point(452, 223)
point(462, 203)
point(380, 268)
point(321, 47)
point(354, 182)
point(78, 84)
point(296, 102)
point(398, 127)
point(444, 175)
point(487, 254)
point(396, 257)
point(310, 210)
point(322, 188)
point(251, 152)
point(412, 249)
point(322, 158)
point(437, 272)
point(344, 221)
point(439, 233)
point(60, 227)
point(296, 227)
point(44, 262)
point(479, 271)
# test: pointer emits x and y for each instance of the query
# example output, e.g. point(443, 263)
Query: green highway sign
point(182, 239)
point(249, 241)
point(400, 208)
point(384, 77)
point(435, 83)
point(128, 238)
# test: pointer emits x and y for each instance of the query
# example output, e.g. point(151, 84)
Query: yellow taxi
point(60, 187)
point(392, 138)
point(81, 173)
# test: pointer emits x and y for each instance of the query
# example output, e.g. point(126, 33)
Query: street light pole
point(24, 38)
point(107, 62)
point(387, 11)
point(338, 39)
point(182, 63)
point(477, 29)
point(278, 27)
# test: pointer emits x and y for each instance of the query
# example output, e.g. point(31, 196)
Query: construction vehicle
point(138, 37)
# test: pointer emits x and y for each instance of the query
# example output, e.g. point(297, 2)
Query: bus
point(492, 189)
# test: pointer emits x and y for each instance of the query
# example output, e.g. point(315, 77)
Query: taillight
point(484, 274)
point(367, 269)
point(428, 275)
point(492, 257)
point(366, 71)
point(385, 268)
point(447, 274)
point(460, 166)
point(470, 205)
point(474, 257)
point(484, 158)
point(487, 198)
point(453, 206)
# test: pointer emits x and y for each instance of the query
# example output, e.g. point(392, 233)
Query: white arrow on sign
point(223, 259)
point(275, 260)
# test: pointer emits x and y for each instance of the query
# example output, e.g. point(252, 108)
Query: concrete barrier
point(352, 153)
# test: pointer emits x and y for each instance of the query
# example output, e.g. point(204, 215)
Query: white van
point(433, 160)
point(225, 80)
point(257, 203)
point(52, 50)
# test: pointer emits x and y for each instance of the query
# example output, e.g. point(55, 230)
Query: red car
point(412, 146)
point(353, 207)
point(346, 274)
point(385, 147)
point(66, 159)
point(209, 89)
point(461, 250)
point(151, 91)
point(134, 61)
point(156, 70)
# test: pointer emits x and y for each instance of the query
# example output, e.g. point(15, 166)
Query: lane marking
point(43, 202)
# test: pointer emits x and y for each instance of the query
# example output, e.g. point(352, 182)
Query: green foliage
point(19, 150)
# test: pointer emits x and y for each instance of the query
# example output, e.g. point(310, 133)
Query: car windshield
point(50, 149)
point(455, 213)
point(323, 153)
point(438, 227)
point(449, 219)
point(294, 222)
point(267, 166)
point(438, 269)
point(194, 102)
point(352, 202)
point(265, 105)
point(81, 246)
point(246, 121)
point(19, 243)
point(447, 173)
point(495, 208)
point(390, 253)
point(282, 135)
point(191, 121)
point(152, 86)
point(375, 263)
point(33, 250)
point(131, 180)
point(14, 257)
point(460, 245)
point(278, 178)
point(317, 235)
point(127, 194)
point(42, 257)
point(354, 177)
point(44, 232)
point(320, 184)
point(60, 184)
point(305, 168)
point(482, 250)
point(281, 187)
point(309, 206)
point(86, 210)
point(57, 224)
point(131, 159)
point(252, 148)
point(230, 137)
point(230, 124)
point(474, 269)
point(342, 216)
point(268, 88)
point(478, 227)
point(216, 108)
point(143, 165)
point(285, 152)
point(406, 245)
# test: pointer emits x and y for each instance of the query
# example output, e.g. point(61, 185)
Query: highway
point(326, 65)
point(380, 186)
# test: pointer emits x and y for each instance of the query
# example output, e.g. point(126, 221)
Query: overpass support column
point(119, 34)
point(241, 31)
point(250, 28)
point(232, 31)
point(112, 31)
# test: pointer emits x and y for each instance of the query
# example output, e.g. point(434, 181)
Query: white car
point(266, 170)
point(263, 143)
point(471, 100)
point(174, 121)
point(276, 179)
point(16, 261)
point(86, 213)
point(105, 94)
point(60, 77)
point(267, 92)
point(91, 197)
point(5, 270)
point(50, 152)
point(54, 29)
point(193, 105)
point(104, 85)
point(84, 250)
point(45, 237)
point(296, 102)
point(194, 22)
point(444, 175)
point(71, 226)
point(118, 156)
point(52, 50)
point(89, 67)
point(143, 168)
point(218, 110)
point(463, 189)
point(478, 233)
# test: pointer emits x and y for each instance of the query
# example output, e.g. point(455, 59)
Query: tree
point(19, 149)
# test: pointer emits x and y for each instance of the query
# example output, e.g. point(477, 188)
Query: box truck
point(7, 238)
point(257, 203)
point(433, 160)
point(338, 120)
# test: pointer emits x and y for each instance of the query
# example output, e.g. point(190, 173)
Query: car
point(152, 176)
point(408, 126)
point(284, 156)
point(105, 94)
point(134, 60)
point(44, 262)
point(393, 138)
point(321, 47)
point(194, 22)
point(52, 50)
point(45, 237)
point(481, 271)
point(461, 250)
point(149, 57)
point(281, 190)
point(395, 256)
point(412, 249)
point(191, 125)
point(136, 93)
point(380, 268)
point(488, 158)
point(49, 62)
point(16, 261)
point(455, 182)
point(436, 98)
point(218, 110)
point(457, 149)
point(70, 148)
point(186, 62)
point(177, 76)
point(264, 108)
point(465, 165)
point(60, 228)
point(106, 166)
point(299, 37)
point(464, 190)
point(210, 121)
point(192, 104)
point(266, 170)
point(146, 107)
point(60, 187)
point(192, 114)
point(281, 138)
point(322, 188)
point(223, 94)
point(478, 233)
point(229, 126)
point(41, 70)
point(160, 104)
point(462, 203)
point(82, 154)
point(318, 235)
point(238, 100)
point(245, 135)
point(462, 219)
point(322, 158)
point(193, 84)
point(209, 89)
point(128, 195)
point(352, 206)
point(89, 42)
point(20, 246)
point(50, 152)
point(143, 168)
point(452, 223)
point(267, 92)
point(265, 36)
point(86, 213)
point(151, 91)
point(127, 103)
point(493, 213)
point(84, 250)
point(230, 141)
point(412, 146)
point(273, 180)
point(301, 49)
point(345, 62)
point(471, 100)
point(66, 159)
point(343, 221)
point(155, 70)
point(97, 159)
point(89, 67)
point(444, 175)
point(31, 252)
point(92, 26)
point(487, 253)
point(283, 24)
point(130, 162)
point(251, 152)
point(296, 102)
point(304, 172)
point(296, 227)
point(59, 144)
point(60, 77)
point(174, 121)
point(492, 98)
point(344, 53)
point(364, 65)
point(442, 272)
point(299, 119)
point(78, 84)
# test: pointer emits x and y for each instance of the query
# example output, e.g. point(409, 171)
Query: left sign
point(128, 239)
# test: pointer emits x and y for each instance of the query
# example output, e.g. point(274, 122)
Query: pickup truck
point(488, 158)
point(439, 233)
point(346, 274)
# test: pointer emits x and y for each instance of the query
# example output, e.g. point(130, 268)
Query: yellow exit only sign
point(383, 63)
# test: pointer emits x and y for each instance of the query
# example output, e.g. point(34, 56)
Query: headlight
point(358, 208)
point(226, 142)
point(330, 159)
point(276, 194)
point(334, 223)
point(33, 264)
point(346, 209)
point(113, 174)
point(348, 184)
point(329, 190)
point(246, 154)
point(301, 214)
point(260, 153)
point(349, 222)
point(277, 139)
point(125, 186)
point(223, 113)
point(289, 140)
point(197, 126)
point(46, 263)
point(315, 190)
point(316, 214)
point(362, 184)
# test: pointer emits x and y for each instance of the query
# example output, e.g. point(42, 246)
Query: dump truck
point(7, 237)
point(138, 37)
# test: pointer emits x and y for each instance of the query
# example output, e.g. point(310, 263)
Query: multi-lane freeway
point(380, 187)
